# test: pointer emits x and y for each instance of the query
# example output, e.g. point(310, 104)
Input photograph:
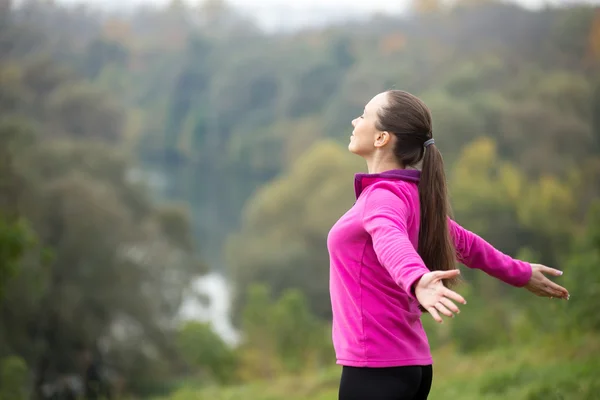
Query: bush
point(13, 378)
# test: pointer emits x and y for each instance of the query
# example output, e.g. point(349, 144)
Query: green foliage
point(85, 112)
point(524, 372)
point(86, 257)
point(583, 277)
point(283, 334)
point(202, 348)
point(579, 382)
point(509, 201)
point(258, 353)
point(13, 378)
point(295, 329)
point(595, 112)
point(285, 226)
point(15, 239)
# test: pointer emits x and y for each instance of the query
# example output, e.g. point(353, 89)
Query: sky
point(368, 5)
point(289, 14)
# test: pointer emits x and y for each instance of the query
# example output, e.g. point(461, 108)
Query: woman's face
point(366, 138)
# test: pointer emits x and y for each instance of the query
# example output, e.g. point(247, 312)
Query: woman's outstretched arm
point(475, 252)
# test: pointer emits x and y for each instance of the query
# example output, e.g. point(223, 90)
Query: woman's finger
point(434, 314)
point(559, 294)
point(555, 293)
point(450, 305)
point(549, 292)
point(454, 296)
point(557, 290)
point(447, 274)
point(549, 271)
point(441, 308)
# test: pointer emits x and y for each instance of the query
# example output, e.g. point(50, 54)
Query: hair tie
point(429, 142)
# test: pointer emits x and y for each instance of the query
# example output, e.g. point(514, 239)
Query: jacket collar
point(363, 180)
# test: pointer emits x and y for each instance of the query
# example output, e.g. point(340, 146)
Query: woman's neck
point(376, 166)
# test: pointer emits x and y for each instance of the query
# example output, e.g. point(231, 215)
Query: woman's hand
point(434, 296)
point(544, 287)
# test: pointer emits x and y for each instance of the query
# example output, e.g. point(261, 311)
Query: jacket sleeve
point(476, 253)
point(385, 216)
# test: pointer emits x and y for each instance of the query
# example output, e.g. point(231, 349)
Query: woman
point(395, 252)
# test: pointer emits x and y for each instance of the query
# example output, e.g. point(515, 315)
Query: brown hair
point(409, 119)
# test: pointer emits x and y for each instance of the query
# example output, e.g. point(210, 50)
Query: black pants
point(395, 383)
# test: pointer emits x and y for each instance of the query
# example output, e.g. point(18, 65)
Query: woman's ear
point(382, 138)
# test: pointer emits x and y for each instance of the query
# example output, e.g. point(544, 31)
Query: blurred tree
point(570, 93)
point(536, 212)
point(582, 276)
point(118, 265)
point(594, 39)
point(108, 265)
point(103, 53)
point(571, 33)
point(282, 239)
point(16, 235)
point(202, 348)
point(118, 30)
point(455, 123)
point(392, 43)
point(281, 335)
point(258, 358)
point(295, 329)
point(13, 379)
point(426, 6)
point(541, 141)
point(474, 3)
point(314, 89)
point(595, 120)
point(83, 112)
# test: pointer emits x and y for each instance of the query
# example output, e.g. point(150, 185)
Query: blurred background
point(169, 172)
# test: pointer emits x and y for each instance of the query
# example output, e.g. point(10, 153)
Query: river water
point(216, 310)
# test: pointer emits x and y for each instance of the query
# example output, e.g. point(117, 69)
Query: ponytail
point(436, 247)
point(409, 119)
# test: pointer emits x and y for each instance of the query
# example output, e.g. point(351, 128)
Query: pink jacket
point(374, 263)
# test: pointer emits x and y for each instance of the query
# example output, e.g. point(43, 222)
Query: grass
point(549, 369)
